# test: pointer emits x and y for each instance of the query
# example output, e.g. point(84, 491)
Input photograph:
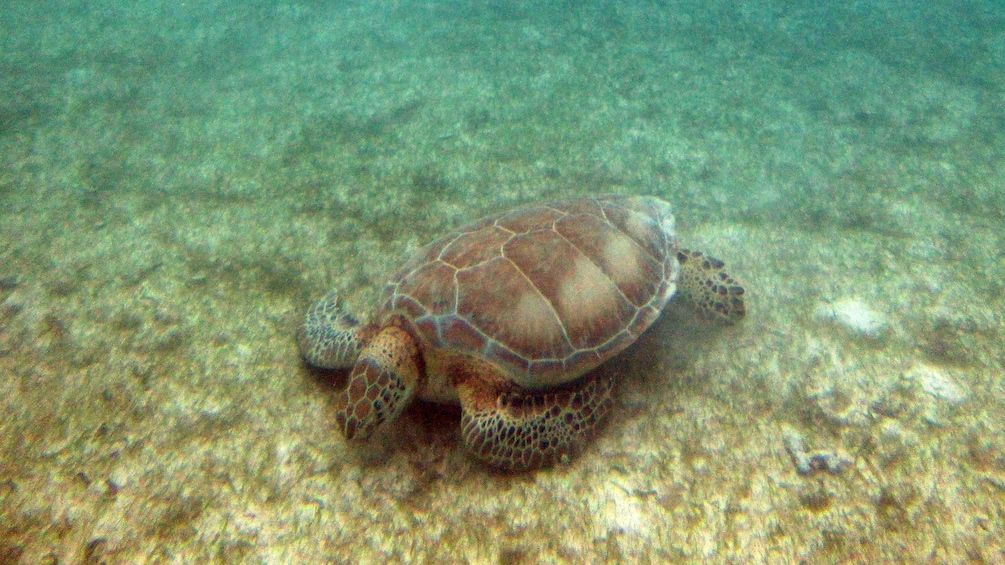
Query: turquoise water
point(179, 181)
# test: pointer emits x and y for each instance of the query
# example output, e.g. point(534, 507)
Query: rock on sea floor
point(853, 315)
point(936, 383)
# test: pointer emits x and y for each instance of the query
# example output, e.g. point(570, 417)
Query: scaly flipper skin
point(716, 294)
point(518, 431)
point(330, 338)
point(382, 383)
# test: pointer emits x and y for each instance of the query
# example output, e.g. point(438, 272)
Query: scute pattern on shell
point(545, 292)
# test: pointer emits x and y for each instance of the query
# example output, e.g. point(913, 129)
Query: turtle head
point(382, 383)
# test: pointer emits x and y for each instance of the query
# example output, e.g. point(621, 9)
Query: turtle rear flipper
point(715, 294)
point(523, 430)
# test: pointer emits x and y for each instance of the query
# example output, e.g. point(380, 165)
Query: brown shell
point(545, 292)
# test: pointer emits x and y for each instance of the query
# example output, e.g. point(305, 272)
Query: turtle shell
point(544, 292)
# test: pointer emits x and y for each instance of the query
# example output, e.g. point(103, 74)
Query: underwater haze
point(180, 180)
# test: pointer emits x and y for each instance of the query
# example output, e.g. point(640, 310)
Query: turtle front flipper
point(716, 294)
point(382, 382)
point(525, 430)
point(330, 338)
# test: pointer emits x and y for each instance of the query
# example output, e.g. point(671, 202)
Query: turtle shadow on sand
point(659, 363)
point(422, 427)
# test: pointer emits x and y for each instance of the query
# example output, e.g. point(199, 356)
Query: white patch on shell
point(622, 257)
point(587, 294)
point(639, 226)
point(536, 319)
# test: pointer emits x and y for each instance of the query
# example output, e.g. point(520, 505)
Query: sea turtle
point(507, 314)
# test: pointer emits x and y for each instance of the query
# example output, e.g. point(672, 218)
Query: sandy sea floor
point(179, 181)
